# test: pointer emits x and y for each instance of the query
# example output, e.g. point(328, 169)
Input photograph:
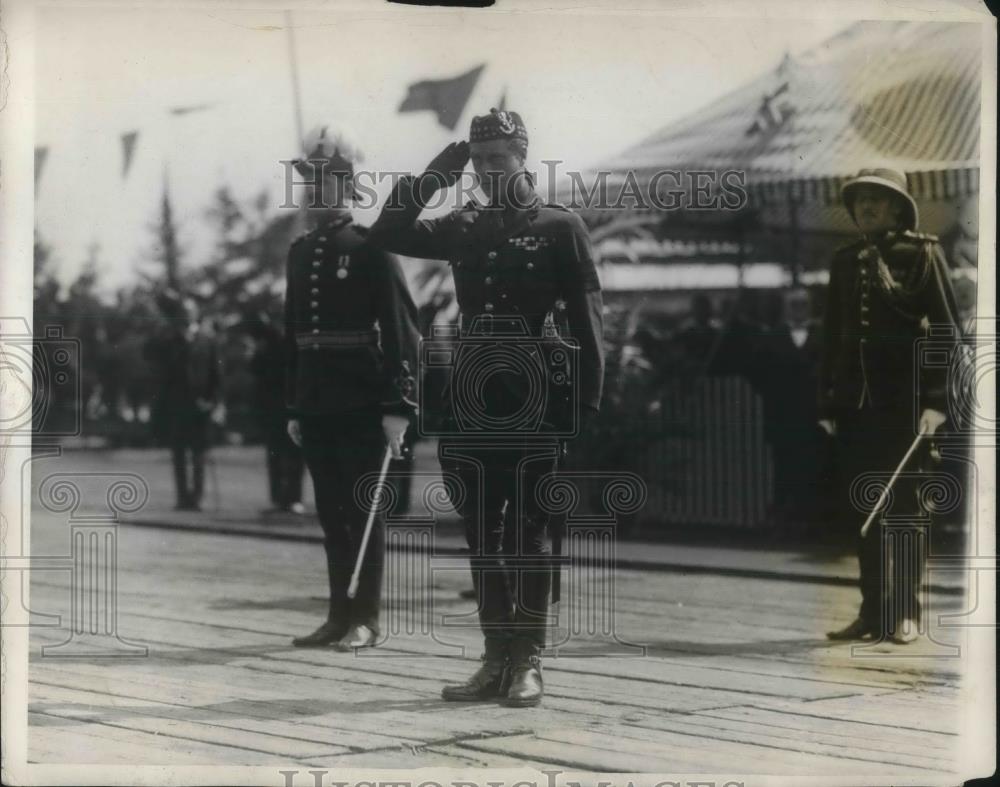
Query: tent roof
point(902, 94)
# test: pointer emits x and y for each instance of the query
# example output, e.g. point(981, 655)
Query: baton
point(353, 588)
point(888, 487)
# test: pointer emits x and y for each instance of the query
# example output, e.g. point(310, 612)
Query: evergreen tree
point(166, 249)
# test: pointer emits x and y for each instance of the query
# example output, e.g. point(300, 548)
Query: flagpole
point(296, 90)
point(793, 203)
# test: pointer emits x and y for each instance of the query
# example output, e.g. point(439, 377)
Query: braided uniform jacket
point(882, 299)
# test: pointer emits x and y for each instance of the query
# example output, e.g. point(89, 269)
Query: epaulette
point(919, 237)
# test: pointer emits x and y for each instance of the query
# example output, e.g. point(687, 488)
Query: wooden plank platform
point(736, 677)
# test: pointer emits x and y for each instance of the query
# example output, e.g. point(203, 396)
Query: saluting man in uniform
point(512, 259)
point(885, 289)
point(350, 324)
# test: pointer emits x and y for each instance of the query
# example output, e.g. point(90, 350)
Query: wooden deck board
point(737, 677)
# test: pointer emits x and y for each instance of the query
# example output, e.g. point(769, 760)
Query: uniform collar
point(333, 223)
point(503, 220)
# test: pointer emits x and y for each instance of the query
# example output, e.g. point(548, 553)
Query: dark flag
point(445, 97)
point(41, 154)
point(771, 115)
point(128, 148)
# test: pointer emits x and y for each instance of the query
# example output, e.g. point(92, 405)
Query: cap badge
point(505, 122)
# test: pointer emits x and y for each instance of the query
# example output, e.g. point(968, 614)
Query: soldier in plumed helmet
point(350, 325)
point(886, 289)
point(513, 258)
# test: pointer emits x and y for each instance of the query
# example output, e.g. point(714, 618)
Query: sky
point(587, 87)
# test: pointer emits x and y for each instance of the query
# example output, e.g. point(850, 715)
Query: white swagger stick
point(888, 487)
point(353, 587)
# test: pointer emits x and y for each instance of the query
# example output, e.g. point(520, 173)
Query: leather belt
point(513, 327)
point(337, 339)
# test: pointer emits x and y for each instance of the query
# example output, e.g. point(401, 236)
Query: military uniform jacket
point(350, 325)
point(516, 265)
point(872, 325)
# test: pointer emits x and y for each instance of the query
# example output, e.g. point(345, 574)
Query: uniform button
point(315, 346)
point(318, 249)
point(531, 266)
point(503, 295)
point(314, 304)
point(488, 280)
point(489, 307)
point(322, 238)
point(315, 318)
point(492, 255)
point(315, 263)
point(315, 290)
point(314, 276)
point(315, 330)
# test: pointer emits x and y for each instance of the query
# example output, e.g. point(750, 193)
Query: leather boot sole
point(522, 702)
point(469, 697)
point(314, 644)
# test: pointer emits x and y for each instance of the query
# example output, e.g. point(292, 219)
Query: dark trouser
point(189, 439)
point(874, 441)
point(339, 450)
point(284, 465)
point(507, 534)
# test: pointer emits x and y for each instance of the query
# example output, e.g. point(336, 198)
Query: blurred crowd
point(186, 371)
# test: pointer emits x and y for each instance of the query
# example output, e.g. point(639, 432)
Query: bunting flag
point(771, 115)
point(41, 154)
point(178, 111)
point(128, 148)
point(445, 97)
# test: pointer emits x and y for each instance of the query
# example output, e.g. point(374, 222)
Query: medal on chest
point(343, 266)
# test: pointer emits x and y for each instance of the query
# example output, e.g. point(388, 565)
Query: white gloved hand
point(394, 427)
point(295, 431)
point(931, 420)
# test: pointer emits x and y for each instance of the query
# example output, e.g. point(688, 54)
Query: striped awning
point(923, 185)
point(899, 94)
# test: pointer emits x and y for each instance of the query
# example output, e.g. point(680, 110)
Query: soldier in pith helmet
point(886, 289)
point(350, 328)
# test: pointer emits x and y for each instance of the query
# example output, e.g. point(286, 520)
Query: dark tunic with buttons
point(870, 330)
point(350, 325)
point(505, 264)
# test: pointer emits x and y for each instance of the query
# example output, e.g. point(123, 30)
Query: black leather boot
point(856, 629)
point(331, 631)
point(488, 682)
point(525, 686)
point(337, 617)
